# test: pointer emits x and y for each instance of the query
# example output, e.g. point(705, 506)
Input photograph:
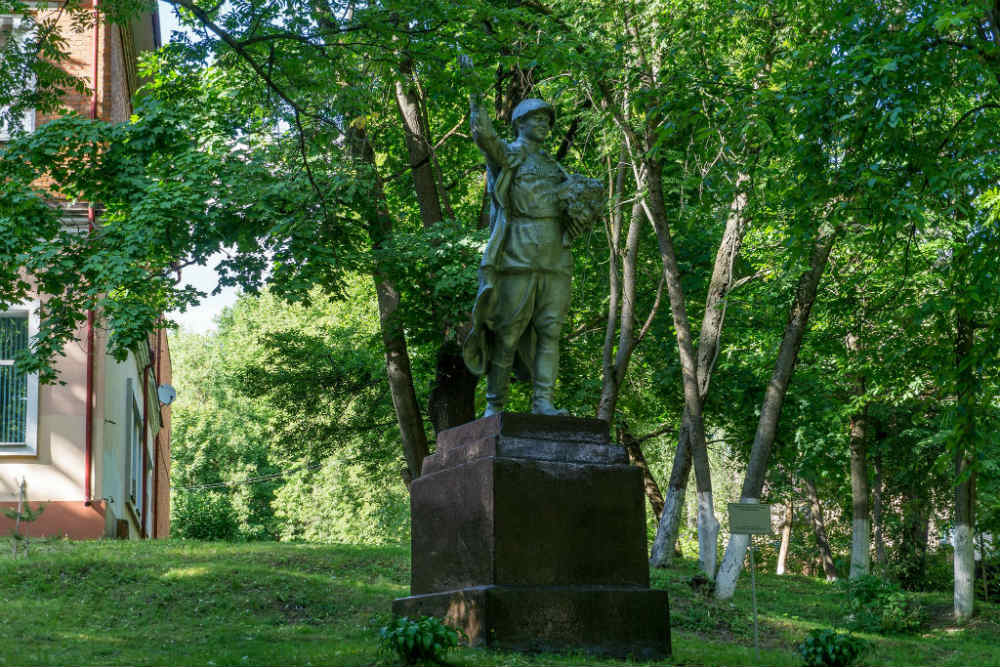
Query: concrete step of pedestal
point(524, 425)
point(606, 620)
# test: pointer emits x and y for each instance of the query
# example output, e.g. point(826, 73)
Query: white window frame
point(19, 32)
point(30, 445)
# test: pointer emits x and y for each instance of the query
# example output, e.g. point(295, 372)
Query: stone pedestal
point(528, 532)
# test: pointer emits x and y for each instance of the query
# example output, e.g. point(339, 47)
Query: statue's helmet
point(530, 106)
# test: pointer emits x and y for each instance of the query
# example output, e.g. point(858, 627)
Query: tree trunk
point(786, 537)
point(418, 147)
point(878, 518)
point(709, 338)
point(916, 523)
point(861, 522)
point(819, 529)
point(662, 552)
point(774, 396)
point(636, 457)
point(708, 525)
point(965, 474)
point(708, 346)
point(397, 357)
point(451, 401)
point(615, 369)
point(621, 293)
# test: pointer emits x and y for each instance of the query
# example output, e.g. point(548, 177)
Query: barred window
point(18, 390)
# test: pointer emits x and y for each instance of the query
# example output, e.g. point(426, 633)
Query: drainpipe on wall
point(88, 454)
point(157, 374)
point(145, 450)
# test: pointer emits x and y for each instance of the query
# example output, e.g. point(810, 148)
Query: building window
point(14, 32)
point(133, 449)
point(18, 390)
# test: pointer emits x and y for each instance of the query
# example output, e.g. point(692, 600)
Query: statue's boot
point(497, 387)
point(546, 368)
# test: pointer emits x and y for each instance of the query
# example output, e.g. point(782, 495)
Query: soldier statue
point(537, 209)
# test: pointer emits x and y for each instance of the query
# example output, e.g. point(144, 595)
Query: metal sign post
point(753, 595)
point(751, 519)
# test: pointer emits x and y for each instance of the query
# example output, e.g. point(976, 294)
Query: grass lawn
point(207, 603)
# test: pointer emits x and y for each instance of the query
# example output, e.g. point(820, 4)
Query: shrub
point(202, 515)
point(901, 613)
point(878, 605)
point(826, 648)
point(343, 501)
point(420, 640)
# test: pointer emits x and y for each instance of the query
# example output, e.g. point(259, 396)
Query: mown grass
point(198, 603)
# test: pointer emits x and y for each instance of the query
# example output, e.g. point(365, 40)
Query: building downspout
point(145, 450)
point(88, 454)
point(157, 374)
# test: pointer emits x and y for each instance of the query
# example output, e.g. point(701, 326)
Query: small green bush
point(420, 640)
point(901, 614)
point(826, 648)
point(878, 605)
point(202, 515)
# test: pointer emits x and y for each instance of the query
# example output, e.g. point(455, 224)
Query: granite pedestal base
point(528, 532)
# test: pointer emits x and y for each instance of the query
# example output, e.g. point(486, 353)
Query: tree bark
point(819, 530)
point(451, 401)
point(861, 521)
point(774, 396)
point(965, 474)
point(708, 525)
point(878, 519)
point(636, 457)
point(418, 148)
point(452, 397)
point(627, 339)
point(397, 357)
point(650, 175)
point(661, 554)
point(786, 537)
point(621, 293)
point(916, 523)
point(709, 338)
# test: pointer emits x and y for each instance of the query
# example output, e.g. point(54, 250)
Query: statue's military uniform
point(526, 268)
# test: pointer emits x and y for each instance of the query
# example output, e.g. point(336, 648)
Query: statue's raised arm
point(486, 137)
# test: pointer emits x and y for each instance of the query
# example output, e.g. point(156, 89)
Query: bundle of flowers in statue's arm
point(583, 200)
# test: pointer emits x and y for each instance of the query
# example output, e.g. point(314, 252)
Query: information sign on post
point(751, 519)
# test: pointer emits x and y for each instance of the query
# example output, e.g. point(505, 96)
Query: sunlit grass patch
point(210, 603)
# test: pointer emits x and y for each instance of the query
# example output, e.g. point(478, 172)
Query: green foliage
point(878, 605)
point(878, 123)
point(343, 502)
point(425, 639)
point(435, 270)
point(201, 514)
point(283, 414)
point(901, 613)
point(828, 648)
point(35, 57)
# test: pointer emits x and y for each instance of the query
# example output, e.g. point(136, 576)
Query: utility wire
point(251, 480)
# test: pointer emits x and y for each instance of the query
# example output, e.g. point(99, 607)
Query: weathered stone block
point(529, 533)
